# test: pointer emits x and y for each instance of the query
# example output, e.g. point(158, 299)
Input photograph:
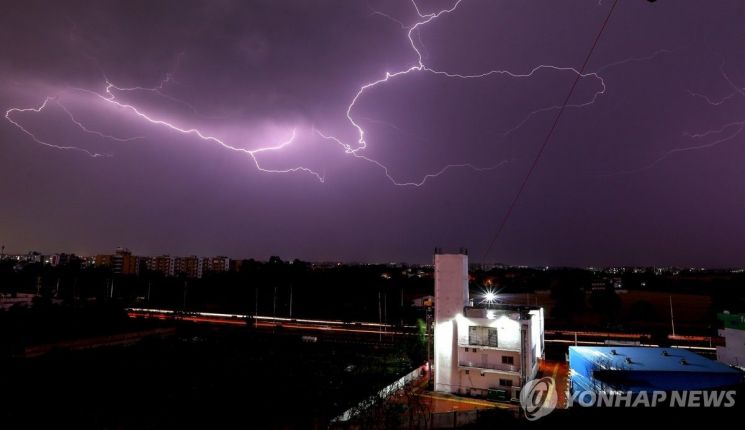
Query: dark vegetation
point(200, 378)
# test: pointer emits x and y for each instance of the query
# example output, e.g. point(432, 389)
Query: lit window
point(482, 336)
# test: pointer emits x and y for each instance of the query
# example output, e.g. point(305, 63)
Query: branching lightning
point(111, 92)
point(414, 32)
point(94, 132)
point(110, 97)
point(722, 134)
point(33, 137)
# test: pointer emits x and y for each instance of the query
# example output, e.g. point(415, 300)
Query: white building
point(479, 347)
point(733, 351)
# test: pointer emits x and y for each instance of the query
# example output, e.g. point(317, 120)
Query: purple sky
point(645, 166)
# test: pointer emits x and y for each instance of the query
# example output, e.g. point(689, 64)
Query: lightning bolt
point(93, 132)
point(356, 149)
point(721, 134)
point(111, 98)
point(33, 137)
point(414, 33)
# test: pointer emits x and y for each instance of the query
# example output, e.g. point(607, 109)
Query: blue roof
point(640, 359)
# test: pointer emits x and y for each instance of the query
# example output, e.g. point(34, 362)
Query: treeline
point(276, 287)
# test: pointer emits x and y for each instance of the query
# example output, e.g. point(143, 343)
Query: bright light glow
point(489, 297)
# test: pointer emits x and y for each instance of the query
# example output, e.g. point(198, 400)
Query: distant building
point(53, 260)
point(191, 267)
point(636, 369)
point(67, 259)
point(34, 257)
point(219, 264)
point(235, 265)
point(481, 347)
point(103, 260)
point(124, 262)
point(164, 264)
point(121, 262)
point(733, 351)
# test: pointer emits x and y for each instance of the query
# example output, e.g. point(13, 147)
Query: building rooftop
point(491, 310)
point(640, 359)
point(504, 307)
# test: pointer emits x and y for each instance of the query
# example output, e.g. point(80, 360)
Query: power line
point(549, 135)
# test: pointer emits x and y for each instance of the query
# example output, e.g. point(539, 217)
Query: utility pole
point(672, 318)
point(290, 301)
point(380, 318)
point(401, 309)
point(149, 284)
point(274, 308)
point(385, 310)
point(256, 308)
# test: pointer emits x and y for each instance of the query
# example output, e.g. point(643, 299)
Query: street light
point(489, 296)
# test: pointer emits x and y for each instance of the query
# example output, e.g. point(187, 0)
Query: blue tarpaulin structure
point(636, 369)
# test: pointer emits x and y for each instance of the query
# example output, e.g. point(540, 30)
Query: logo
point(538, 398)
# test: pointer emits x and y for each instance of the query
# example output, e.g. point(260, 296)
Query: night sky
point(167, 112)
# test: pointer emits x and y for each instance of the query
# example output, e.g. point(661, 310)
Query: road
point(388, 331)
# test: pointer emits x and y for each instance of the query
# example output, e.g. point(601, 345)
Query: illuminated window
point(482, 336)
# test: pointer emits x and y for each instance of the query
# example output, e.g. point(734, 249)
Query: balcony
point(501, 347)
point(489, 366)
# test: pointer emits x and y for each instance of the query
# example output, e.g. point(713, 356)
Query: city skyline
point(375, 131)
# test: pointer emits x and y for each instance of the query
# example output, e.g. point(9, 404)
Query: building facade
point(733, 351)
point(164, 264)
point(481, 347)
point(191, 267)
point(219, 264)
point(124, 262)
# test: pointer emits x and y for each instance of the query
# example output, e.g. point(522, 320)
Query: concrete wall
point(733, 351)
point(451, 296)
